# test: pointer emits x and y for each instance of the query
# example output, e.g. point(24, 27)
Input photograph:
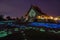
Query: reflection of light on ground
point(3, 34)
point(34, 26)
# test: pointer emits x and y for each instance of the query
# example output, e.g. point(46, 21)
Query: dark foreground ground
point(31, 35)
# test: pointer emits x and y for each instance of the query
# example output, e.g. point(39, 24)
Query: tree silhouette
point(9, 18)
point(1, 18)
point(22, 19)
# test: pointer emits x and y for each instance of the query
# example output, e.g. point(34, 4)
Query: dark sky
point(17, 8)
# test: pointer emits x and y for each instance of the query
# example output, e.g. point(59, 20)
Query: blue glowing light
point(48, 25)
point(36, 24)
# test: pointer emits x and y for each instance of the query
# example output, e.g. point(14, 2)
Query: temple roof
point(37, 10)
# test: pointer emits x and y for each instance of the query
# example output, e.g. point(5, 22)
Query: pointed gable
point(34, 10)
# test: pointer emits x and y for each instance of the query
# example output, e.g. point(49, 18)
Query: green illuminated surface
point(54, 31)
point(42, 30)
point(57, 32)
point(51, 31)
point(32, 13)
point(3, 34)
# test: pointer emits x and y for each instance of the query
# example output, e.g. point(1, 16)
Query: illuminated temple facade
point(35, 14)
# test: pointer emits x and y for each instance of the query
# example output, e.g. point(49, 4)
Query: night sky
point(18, 8)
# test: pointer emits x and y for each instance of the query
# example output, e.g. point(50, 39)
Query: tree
point(9, 18)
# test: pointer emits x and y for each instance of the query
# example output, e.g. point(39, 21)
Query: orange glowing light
point(55, 18)
point(51, 17)
point(38, 17)
point(46, 17)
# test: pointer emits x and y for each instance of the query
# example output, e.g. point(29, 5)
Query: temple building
point(35, 14)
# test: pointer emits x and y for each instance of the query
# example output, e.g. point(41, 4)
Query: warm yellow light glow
point(46, 17)
point(38, 17)
point(43, 17)
point(55, 18)
point(51, 17)
point(59, 19)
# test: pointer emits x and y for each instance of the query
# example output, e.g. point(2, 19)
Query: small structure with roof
point(35, 14)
